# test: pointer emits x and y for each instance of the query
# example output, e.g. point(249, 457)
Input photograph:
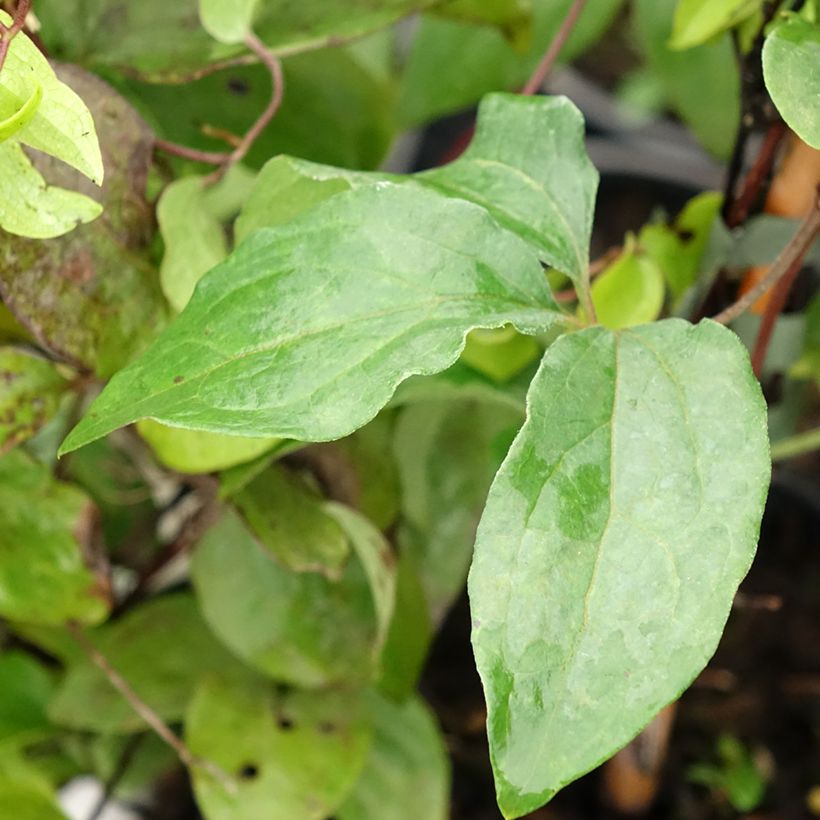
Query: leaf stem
point(8, 33)
point(225, 159)
point(147, 713)
point(790, 256)
point(551, 55)
point(796, 445)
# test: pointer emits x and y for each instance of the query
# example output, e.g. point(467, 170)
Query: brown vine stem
point(225, 159)
point(551, 55)
point(789, 257)
point(147, 713)
point(8, 33)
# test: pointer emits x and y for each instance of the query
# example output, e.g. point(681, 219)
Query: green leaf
point(434, 83)
point(702, 84)
point(295, 755)
point(229, 21)
point(25, 688)
point(30, 393)
point(808, 365)
point(320, 319)
point(194, 239)
point(45, 534)
point(23, 115)
point(500, 354)
point(162, 648)
point(629, 292)
point(61, 125)
point(513, 18)
point(91, 297)
point(447, 458)
point(697, 21)
point(194, 451)
point(407, 772)
point(31, 207)
point(791, 68)
point(287, 518)
point(613, 541)
point(23, 801)
point(287, 624)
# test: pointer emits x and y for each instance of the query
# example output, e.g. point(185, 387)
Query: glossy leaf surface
point(791, 67)
point(30, 393)
point(406, 774)
point(307, 329)
point(295, 755)
point(612, 544)
point(46, 530)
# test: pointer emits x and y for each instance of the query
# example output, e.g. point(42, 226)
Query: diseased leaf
point(406, 775)
point(91, 297)
point(289, 625)
point(295, 754)
point(30, 393)
point(287, 518)
point(701, 84)
point(193, 237)
point(791, 68)
point(697, 21)
point(307, 329)
point(162, 648)
point(45, 533)
point(447, 455)
point(613, 541)
point(434, 82)
point(629, 292)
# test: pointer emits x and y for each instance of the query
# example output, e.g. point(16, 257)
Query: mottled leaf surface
point(289, 625)
point(45, 542)
point(612, 544)
point(791, 68)
point(295, 755)
point(407, 772)
point(162, 648)
point(307, 329)
point(30, 393)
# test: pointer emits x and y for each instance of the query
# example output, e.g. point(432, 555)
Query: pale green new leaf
point(696, 21)
point(791, 68)
point(45, 533)
point(307, 329)
point(613, 541)
point(406, 775)
point(295, 755)
point(22, 116)
point(228, 21)
point(162, 648)
point(30, 393)
point(629, 292)
point(289, 625)
point(61, 125)
point(24, 801)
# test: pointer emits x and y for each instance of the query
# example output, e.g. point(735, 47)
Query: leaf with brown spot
point(92, 296)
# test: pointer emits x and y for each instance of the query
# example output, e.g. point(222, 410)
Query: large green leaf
point(406, 775)
point(307, 329)
point(791, 68)
point(701, 84)
point(165, 41)
point(25, 688)
point(295, 755)
point(92, 297)
point(453, 64)
point(162, 648)
point(30, 393)
point(614, 538)
point(289, 625)
point(696, 21)
point(45, 547)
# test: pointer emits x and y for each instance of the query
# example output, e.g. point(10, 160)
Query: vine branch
point(8, 33)
point(147, 713)
point(225, 159)
point(551, 55)
point(788, 258)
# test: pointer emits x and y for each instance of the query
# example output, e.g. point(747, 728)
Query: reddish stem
point(8, 33)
